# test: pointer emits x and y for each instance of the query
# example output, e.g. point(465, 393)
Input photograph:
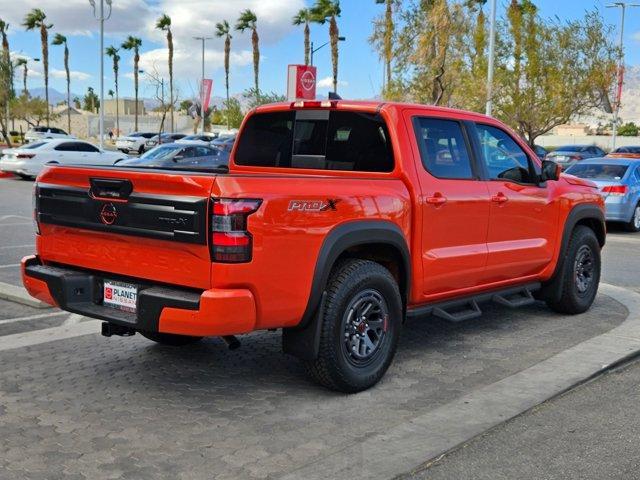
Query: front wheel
point(634, 223)
point(580, 273)
point(170, 339)
point(360, 327)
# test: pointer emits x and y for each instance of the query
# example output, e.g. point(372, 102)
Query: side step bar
point(466, 308)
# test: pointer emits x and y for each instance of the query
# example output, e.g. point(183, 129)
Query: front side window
point(503, 157)
point(316, 139)
point(443, 148)
point(67, 147)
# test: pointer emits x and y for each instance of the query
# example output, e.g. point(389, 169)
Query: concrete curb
point(409, 445)
point(16, 294)
point(46, 335)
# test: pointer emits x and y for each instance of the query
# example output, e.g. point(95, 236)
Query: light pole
point(202, 113)
point(100, 16)
point(619, 78)
point(492, 47)
point(340, 39)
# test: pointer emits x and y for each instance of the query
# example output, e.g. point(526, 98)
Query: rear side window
point(443, 148)
point(86, 147)
point(316, 139)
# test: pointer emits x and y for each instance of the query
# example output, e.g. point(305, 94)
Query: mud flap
point(304, 343)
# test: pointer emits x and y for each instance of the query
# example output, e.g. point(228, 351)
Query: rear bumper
point(159, 308)
point(618, 210)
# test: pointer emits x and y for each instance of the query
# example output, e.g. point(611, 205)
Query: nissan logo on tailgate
point(108, 214)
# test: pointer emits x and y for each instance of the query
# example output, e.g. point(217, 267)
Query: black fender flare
point(303, 340)
point(589, 212)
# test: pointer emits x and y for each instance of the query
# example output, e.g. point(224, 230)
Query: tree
point(31, 110)
point(185, 105)
point(60, 39)
point(628, 129)
point(36, 19)
point(91, 102)
point(157, 83)
point(233, 112)
point(551, 71)
point(5, 97)
point(164, 24)
point(134, 43)
point(248, 21)
point(6, 80)
point(76, 103)
point(385, 32)
point(322, 11)
point(256, 99)
point(224, 30)
point(303, 17)
point(22, 62)
point(112, 52)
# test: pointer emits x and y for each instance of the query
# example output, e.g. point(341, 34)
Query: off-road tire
point(571, 300)
point(335, 368)
point(170, 339)
point(634, 224)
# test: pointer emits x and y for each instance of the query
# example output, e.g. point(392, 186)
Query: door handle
point(437, 199)
point(499, 198)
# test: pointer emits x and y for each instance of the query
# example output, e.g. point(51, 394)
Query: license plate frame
point(120, 295)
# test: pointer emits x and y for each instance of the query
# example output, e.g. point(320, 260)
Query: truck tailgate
point(144, 224)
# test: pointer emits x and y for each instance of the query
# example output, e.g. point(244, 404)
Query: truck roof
point(367, 105)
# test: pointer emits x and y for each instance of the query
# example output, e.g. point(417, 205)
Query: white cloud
point(327, 82)
point(636, 36)
point(74, 74)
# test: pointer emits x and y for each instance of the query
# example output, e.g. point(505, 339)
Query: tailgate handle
point(110, 188)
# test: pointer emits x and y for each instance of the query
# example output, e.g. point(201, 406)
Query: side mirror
point(550, 171)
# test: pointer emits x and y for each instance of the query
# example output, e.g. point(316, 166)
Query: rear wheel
point(634, 223)
point(580, 273)
point(360, 327)
point(170, 338)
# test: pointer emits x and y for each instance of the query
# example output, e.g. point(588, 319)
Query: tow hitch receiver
point(109, 329)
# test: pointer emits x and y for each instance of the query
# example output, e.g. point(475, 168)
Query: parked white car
point(134, 142)
point(36, 134)
point(28, 160)
point(199, 139)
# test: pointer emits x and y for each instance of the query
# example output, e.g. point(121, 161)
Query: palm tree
point(6, 53)
point(224, 30)
point(22, 62)
point(112, 52)
point(388, 37)
point(134, 43)
point(248, 20)
point(164, 23)
point(60, 39)
point(304, 17)
point(322, 11)
point(111, 93)
point(36, 19)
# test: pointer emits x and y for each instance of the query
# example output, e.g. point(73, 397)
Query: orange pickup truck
point(335, 222)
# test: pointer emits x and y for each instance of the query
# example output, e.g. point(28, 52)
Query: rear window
point(316, 139)
point(601, 171)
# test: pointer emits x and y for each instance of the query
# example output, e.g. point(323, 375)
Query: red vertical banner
point(301, 82)
point(205, 93)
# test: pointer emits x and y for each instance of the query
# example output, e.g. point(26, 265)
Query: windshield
point(627, 150)
point(33, 145)
point(598, 171)
point(570, 148)
point(160, 153)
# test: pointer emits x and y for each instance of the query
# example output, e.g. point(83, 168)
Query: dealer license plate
point(120, 295)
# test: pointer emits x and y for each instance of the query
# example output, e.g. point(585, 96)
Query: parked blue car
point(619, 182)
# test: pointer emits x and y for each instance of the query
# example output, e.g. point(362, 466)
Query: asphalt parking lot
point(89, 407)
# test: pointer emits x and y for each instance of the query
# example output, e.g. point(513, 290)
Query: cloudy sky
point(281, 43)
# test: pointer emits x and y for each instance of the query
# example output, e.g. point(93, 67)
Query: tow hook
point(232, 341)
point(110, 329)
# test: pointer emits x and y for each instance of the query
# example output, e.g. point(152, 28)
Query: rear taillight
point(231, 242)
point(619, 190)
point(35, 205)
point(25, 155)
